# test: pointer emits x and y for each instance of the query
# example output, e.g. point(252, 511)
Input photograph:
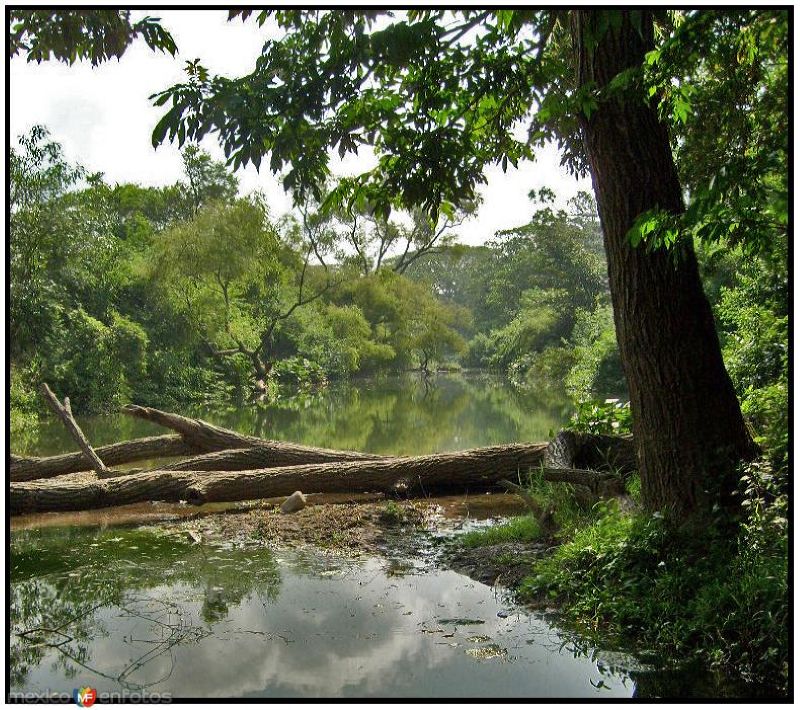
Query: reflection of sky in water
point(351, 632)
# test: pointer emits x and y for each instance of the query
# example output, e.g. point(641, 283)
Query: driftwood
point(598, 452)
point(204, 437)
point(151, 447)
point(223, 450)
point(416, 474)
point(64, 413)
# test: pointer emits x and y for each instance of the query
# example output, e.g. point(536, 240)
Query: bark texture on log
point(211, 438)
point(267, 455)
point(612, 454)
point(418, 474)
point(201, 435)
point(151, 447)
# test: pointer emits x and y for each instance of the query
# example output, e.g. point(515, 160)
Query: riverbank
point(630, 581)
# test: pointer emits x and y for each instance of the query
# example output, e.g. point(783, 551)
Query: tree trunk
point(413, 475)
point(151, 447)
point(267, 455)
point(688, 426)
point(207, 437)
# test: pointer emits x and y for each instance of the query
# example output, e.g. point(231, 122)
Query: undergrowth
point(719, 598)
point(524, 528)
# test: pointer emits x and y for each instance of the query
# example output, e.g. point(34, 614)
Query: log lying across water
point(419, 475)
point(151, 447)
point(221, 449)
point(195, 432)
point(228, 466)
point(271, 454)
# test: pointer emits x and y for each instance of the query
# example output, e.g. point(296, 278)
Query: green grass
point(716, 598)
point(519, 529)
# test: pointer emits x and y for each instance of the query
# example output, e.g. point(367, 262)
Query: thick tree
point(441, 95)
point(687, 421)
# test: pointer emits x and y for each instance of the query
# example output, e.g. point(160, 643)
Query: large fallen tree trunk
point(151, 447)
point(416, 475)
point(267, 455)
point(222, 449)
point(204, 437)
point(211, 438)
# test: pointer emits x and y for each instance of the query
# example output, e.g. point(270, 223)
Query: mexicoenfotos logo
point(85, 697)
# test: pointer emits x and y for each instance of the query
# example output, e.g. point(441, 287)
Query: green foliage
point(299, 371)
point(393, 514)
point(755, 321)
point(85, 365)
point(518, 529)
point(96, 35)
point(23, 402)
point(597, 368)
point(635, 578)
point(608, 417)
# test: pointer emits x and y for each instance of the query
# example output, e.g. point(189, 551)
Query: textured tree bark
point(64, 413)
point(688, 426)
point(418, 475)
point(266, 455)
point(204, 437)
point(29, 469)
point(572, 449)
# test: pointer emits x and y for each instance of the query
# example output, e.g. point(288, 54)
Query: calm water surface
point(389, 415)
point(130, 608)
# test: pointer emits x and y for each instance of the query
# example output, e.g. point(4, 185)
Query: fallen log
point(151, 447)
point(222, 445)
point(201, 435)
point(270, 454)
point(64, 413)
point(415, 475)
point(598, 452)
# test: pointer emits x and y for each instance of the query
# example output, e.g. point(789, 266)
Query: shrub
point(608, 417)
point(597, 369)
point(722, 600)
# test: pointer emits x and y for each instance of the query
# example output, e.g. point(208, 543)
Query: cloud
point(104, 118)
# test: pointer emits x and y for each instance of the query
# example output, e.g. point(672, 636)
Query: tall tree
point(687, 420)
point(440, 95)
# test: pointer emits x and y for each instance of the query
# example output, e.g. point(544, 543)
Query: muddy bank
point(505, 564)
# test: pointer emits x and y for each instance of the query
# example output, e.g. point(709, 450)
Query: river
point(129, 610)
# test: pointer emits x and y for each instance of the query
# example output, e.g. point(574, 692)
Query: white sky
point(104, 119)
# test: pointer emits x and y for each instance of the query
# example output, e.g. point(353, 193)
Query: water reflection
point(131, 609)
point(392, 415)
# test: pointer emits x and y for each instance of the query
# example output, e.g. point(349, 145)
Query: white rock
point(295, 502)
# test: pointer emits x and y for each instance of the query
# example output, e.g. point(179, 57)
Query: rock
point(295, 502)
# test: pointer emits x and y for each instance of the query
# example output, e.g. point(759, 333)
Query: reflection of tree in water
point(64, 580)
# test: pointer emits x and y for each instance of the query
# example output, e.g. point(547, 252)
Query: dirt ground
point(350, 524)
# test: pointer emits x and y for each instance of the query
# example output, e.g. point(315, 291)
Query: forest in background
point(193, 292)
